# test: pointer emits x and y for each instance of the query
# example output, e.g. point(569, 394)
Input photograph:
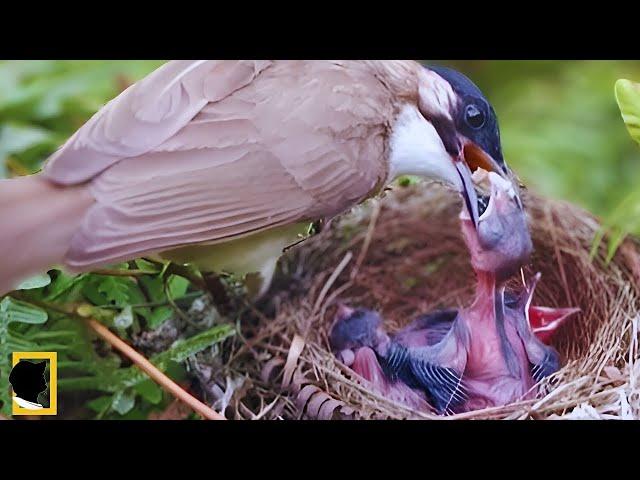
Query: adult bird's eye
point(474, 117)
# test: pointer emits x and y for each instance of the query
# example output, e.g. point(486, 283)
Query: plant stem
point(181, 271)
point(147, 367)
point(39, 303)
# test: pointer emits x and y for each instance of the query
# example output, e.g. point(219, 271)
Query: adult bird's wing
point(203, 152)
point(147, 114)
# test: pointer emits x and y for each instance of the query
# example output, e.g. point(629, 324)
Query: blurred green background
point(561, 127)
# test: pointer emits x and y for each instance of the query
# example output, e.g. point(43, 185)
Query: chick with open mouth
point(488, 354)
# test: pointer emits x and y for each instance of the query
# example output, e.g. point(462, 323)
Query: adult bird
point(222, 163)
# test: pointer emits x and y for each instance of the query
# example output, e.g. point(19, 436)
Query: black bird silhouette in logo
point(27, 380)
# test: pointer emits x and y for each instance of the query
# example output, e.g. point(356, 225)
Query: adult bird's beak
point(468, 190)
point(468, 129)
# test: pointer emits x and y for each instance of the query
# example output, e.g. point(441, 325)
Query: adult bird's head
point(459, 133)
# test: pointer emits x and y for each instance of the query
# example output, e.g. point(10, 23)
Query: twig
point(152, 371)
point(18, 295)
point(172, 303)
point(375, 213)
point(161, 303)
point(182, 271)
point(334, 276)
point(375, 395)
point(267, 409)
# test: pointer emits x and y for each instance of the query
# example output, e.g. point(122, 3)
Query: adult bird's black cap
point(470, 133)
point(475, 122)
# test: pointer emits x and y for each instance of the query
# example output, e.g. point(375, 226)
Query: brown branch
point(147, 367)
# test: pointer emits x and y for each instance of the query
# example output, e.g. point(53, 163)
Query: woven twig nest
point(403, 255)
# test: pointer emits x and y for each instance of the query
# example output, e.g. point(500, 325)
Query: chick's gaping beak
point(471, 158)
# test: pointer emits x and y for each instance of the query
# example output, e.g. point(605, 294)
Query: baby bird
point(488, 354)
point(389, 364)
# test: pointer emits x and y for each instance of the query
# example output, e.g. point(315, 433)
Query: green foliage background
point(562, 133)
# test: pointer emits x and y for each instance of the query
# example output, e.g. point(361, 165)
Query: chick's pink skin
point(487, 376)
point(499, 246)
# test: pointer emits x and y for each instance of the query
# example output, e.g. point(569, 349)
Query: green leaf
point(158, 316)
point(179, 352)
point(143, 264)
point(625, 217)
point(150, 391)
point(12, 310)
point(37, 281)
point(124, 319)
point(177, 286)
point(64, 286)
point(15, 138)
point(118, 291)
point(112, 379)
point(182, 350)
point(100, 404)
point(628, 98)
point(123, 402)
point(154, 286)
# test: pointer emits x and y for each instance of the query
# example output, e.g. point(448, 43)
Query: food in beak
point(472, 160)
point(491, 353)
point(499, 241)
point(475, 157)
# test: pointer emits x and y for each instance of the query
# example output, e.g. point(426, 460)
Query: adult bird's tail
point(37, 221)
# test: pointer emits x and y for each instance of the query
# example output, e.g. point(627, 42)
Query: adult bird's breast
point(257, 253)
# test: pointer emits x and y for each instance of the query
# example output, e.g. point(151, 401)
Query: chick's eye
point(474, 117)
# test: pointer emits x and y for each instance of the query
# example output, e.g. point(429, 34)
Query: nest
point(403, 255)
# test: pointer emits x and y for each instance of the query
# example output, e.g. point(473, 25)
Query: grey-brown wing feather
point(300, 141)
point(147, 114)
